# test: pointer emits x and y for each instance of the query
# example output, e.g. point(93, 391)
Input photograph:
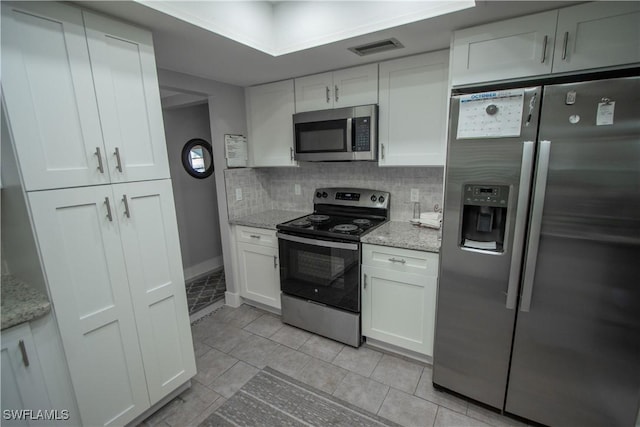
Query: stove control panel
point(357, 197)
point(347, 196)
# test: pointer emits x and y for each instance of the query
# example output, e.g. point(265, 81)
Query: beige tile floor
point(232, 345)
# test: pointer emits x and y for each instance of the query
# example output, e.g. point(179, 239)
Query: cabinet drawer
point(257, 236)
point(404, 260)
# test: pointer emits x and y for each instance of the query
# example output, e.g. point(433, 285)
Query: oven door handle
point(317, 242)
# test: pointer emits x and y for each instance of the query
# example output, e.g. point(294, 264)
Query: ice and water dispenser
point(484, 216)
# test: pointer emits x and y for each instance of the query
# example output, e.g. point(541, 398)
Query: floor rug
point(271, 398)
point(205, 290)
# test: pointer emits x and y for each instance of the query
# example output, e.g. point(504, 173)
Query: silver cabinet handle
point(564, 45)
point(291, 153)
point(275, 261)
point(531, 257)
point(401, 260)
point(127, 212)
point(100, 165)
point(382, 150)
point(521, 221)
point(365, 281)
point(328, 98)
point(106, 202)
point(336, 93)
point(118, 160)
point(254, 236)
point(23, 351)
point(544, 49)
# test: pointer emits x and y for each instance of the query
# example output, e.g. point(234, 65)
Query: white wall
point(226, 116)
point(196, 199)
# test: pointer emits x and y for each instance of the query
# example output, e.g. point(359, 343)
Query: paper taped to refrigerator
point(496, 114)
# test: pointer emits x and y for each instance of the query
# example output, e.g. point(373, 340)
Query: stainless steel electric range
point(320, 261)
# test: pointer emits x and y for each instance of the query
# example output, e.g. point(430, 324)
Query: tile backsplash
point(273, 188)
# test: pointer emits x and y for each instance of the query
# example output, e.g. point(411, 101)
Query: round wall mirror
point(197, 158)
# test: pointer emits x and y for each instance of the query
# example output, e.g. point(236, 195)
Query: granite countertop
point(267, 219)
point(21, 303)
point(402, 234)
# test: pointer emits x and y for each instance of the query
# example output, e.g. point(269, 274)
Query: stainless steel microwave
point(342, 134)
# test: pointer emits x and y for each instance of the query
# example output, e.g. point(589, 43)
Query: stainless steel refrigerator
point(539, 292)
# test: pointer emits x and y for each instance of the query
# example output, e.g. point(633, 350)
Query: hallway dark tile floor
point(205, 290)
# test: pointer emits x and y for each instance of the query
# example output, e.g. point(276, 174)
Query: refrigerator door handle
point(521, 221)
point(536, 223)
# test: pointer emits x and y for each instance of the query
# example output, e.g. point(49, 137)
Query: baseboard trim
point(203, 267)
point(398, 351)
point(232, 300)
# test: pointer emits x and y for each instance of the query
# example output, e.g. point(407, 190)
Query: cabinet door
point(124, 70)
point(314, 92)
point(413, 110)
point(509, 49)
point(49, 96)
point(81, 251)
point(23, 385)
point(146, 213)
point(270, 111)
point(355, 86)
point(598, 34)
point(399, 308)
point(259, 274)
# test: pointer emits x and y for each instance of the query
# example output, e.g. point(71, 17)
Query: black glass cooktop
point(336, 226)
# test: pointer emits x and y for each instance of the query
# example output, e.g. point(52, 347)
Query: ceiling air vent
point(376, 47)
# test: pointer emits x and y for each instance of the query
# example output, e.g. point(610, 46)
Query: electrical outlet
point(296, 189)
point(238, 194)
point(415, 195)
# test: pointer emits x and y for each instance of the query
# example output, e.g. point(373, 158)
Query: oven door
point(323, 271)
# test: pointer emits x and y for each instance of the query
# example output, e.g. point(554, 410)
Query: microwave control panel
point(361, 134)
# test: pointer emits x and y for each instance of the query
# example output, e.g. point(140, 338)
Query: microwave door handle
point(349, 134)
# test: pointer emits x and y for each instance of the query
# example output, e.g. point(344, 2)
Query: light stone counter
point(402, 234)
point(267, 219)
point(21, 303)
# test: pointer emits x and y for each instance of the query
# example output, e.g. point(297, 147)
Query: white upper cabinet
point(582, 37)
point(598, 34)
point(124, 70)
point(413, 110)
point(49, 96)
point(337, 89)
point(84, 107)
point(270, 109)
point(509, 49)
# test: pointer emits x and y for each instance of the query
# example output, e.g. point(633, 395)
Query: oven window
point(327, 275)
point(318, 137)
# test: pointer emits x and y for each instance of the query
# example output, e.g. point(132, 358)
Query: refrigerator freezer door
point(475, 316)
point(576, 354)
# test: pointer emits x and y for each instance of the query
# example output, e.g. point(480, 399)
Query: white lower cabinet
point(23, 385)
point(399, 289)
point(258, 265)
point(112, 259)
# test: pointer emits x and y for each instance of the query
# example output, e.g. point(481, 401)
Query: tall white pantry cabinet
point(81, 97)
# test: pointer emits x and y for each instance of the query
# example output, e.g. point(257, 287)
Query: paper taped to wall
point(235, 148)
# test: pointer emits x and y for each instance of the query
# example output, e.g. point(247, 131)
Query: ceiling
point(183, 47)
